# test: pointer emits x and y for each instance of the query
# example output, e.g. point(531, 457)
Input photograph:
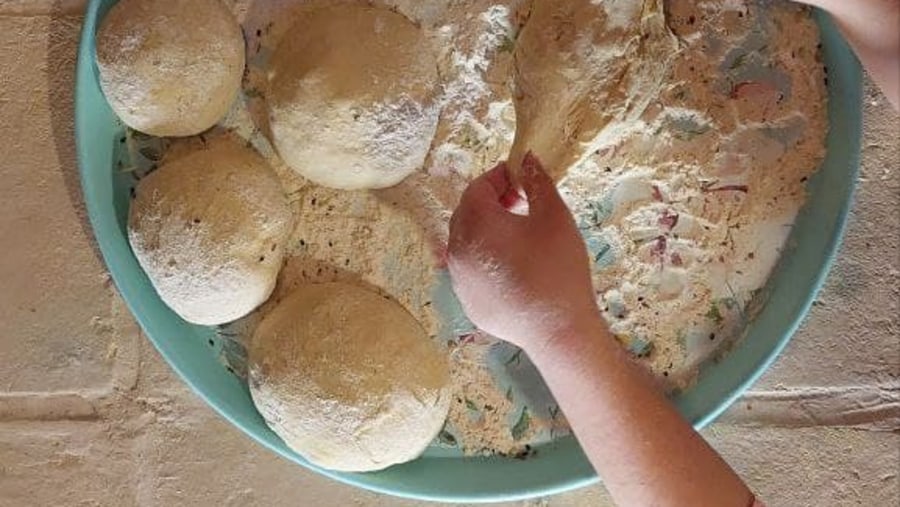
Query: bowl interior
point(558, 466)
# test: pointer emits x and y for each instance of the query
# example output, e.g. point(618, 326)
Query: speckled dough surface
point(170, 67)
point(351, 99)
point(209, 229)
point(348, 378)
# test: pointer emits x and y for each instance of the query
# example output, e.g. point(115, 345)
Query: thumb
point(481, 206)
point(487, 191)
point(543, 197)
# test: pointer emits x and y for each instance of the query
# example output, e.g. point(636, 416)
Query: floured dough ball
point(209, 229)
point(170, 67)
point(348, 379)
point(352, 97)
point(601, 62)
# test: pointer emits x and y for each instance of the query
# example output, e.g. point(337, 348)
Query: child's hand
point(524, 279)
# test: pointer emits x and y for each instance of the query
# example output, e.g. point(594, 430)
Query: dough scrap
point(582, 66)
point(347, 378)
point(170, 67)
point(210, 229)
point(352, 97)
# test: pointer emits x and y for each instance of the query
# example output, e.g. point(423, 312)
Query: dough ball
point(170, 67)
point(210, 229)
point(352, 97)
point(348, 379)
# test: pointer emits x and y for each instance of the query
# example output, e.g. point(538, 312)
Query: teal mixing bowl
point(440, 475)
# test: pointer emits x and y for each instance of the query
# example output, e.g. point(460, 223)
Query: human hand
point(523, 279)
point(870, 26)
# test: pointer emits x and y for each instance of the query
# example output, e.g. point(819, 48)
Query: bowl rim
point(112, 251)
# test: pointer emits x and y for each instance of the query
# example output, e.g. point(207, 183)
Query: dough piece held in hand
point(352, 97)
point(210, 229)
point(170, 67)
point(581, 67)
point(348, 379)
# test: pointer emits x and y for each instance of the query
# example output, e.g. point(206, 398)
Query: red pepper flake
point(657, 194)
point(749, 89)
point(659, 247)
point(467, 339)
point(728, 188)
point(668, 220)
point(676, 259)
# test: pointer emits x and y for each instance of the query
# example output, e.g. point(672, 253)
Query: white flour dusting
point(685, 210)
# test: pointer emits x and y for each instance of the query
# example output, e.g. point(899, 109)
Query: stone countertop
point(90, 415)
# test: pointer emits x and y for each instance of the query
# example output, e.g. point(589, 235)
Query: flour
point(348, 107)
point(170, 68)
point(685, 202)
point(479, 120)
point(209, 229)
point(695, 199)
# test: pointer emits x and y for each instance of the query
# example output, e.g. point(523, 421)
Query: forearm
point(871, 27)
point(641, 447)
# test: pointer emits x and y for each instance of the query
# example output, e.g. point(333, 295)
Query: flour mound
point(347, 378)
point(170, 67)
point(352, 97)
point(210, 229)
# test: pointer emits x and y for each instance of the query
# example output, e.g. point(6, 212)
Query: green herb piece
point(447, 438)
point(521, 426)
point(509, 394)
point(714, 315)
point(602, 253)
point(640, 347)
point(681, 338)
point(599, 212)
point(554, 412)
point(515, 358)
point(508, 45)
point(150, 153)
point(137, 135)
point(738, 62)
point(471, 405)
point(690, 133)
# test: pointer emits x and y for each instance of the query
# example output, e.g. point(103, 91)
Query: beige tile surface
point(51, 262)
point(90, 415)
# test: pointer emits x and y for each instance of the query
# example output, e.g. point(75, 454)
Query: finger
point(482, 209)
point(487, 191)
point(540, 190)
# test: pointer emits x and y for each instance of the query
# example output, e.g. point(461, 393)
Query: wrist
point(572, 336)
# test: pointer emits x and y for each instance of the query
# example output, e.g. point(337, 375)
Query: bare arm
point(872, 27)
point(645, 452)
point(526, 279)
